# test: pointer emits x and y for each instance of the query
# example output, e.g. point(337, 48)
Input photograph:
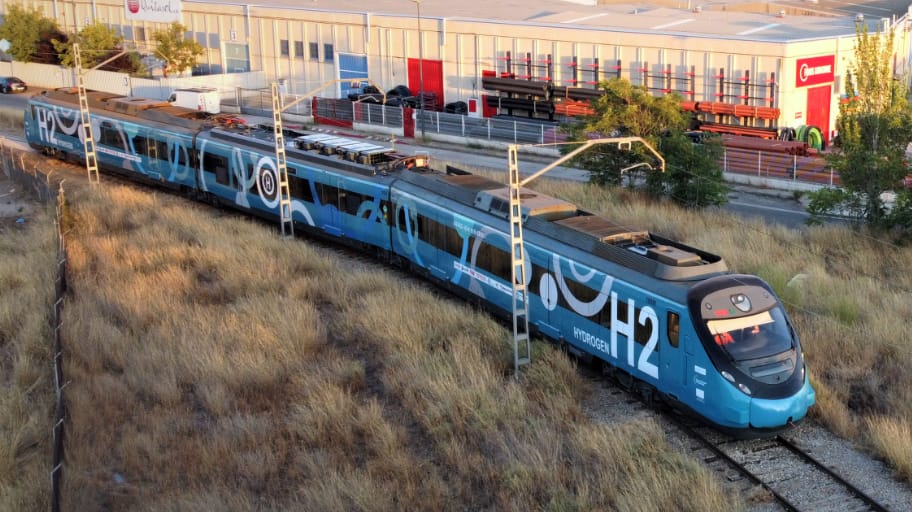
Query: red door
point(431, 73)
point(408, 122)
point(818, 108)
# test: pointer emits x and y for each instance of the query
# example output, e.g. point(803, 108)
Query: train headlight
point(744, 389)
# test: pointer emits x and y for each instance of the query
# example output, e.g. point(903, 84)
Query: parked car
point(10, 84)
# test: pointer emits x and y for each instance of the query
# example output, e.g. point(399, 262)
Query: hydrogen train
point(667, 318)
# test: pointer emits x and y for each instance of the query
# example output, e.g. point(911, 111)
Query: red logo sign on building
point(815, 70)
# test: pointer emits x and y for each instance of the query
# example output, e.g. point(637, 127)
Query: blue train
point(669, 319)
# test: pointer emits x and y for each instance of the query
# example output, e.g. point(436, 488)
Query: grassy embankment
point(217, 367)
point(28, 254)
point(850, 296)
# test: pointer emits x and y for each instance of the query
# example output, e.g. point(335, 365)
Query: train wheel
point(624, 379)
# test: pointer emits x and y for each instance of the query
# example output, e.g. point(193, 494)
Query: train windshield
point(750, 337)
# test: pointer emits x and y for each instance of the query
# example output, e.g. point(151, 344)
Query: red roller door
point(432, 75)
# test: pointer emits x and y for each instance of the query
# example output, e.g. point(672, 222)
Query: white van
point(203, 99)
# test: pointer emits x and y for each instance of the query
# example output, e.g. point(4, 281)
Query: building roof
point(743, 20)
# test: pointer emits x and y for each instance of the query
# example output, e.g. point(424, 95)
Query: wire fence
point(18, 168)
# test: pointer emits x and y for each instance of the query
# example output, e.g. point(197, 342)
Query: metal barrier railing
point(767, 165)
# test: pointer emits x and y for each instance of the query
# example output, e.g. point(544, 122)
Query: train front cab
point(754, 377)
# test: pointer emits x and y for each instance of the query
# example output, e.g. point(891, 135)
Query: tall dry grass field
point(849, 294)
point(214, 366)
point(28, 255)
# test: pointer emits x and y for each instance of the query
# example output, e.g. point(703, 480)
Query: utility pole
point(420, 71)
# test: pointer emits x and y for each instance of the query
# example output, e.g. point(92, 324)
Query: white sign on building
point(164, 11)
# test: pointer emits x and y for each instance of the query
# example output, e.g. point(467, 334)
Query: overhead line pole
point(284, 189)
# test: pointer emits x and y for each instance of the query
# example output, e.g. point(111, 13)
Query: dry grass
point(217, 367)
point(27, 272)
point(847, 292)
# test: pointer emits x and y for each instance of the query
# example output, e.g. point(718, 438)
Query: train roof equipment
point(642, 251)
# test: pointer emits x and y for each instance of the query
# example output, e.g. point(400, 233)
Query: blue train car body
point(669, 318)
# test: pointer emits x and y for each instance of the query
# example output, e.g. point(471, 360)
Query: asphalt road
point(775, 207)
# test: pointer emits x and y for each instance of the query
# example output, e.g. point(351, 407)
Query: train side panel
point(121, 145)
point(569, 301)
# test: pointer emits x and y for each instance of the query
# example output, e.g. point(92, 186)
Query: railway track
point(792, 478)
point(771, 475)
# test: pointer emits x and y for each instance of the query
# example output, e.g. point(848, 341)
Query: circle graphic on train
point(267, 182)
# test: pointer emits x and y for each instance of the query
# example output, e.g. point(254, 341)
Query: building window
point(283, 47)
point(299, 49)
point(328, 52)
point(140, 34)
point(314, 51)
point(237, 58)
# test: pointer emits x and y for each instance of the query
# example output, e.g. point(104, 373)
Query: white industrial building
point(791, 57)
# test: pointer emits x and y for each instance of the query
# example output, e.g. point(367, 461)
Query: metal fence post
point(462, 122)
point(759, 162)
point(794, 167)
point(515, 135)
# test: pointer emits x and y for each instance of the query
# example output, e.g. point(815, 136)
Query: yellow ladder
point(281, 165)
point(88, 142)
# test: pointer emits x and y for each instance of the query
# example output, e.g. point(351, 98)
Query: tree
point(28, 32)
point(97, 43)
point(692, 176)
point(875, 126)
point(177, 52)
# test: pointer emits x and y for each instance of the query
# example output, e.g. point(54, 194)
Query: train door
point(157, 153)
point(673, 348)
point(332, 195)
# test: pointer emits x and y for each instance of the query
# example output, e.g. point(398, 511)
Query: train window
point(140, 146)
point(384, 212)
point(674, 329)
point(404, 221)
point(400, 221)
point(110, 136)
point(432, 232)
point(299, 188)
point(329, 195)
point(495, 260)
point(219, 166)
point(162, 147)
point(641, 332)
point(351, 202)
point(453, 243)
